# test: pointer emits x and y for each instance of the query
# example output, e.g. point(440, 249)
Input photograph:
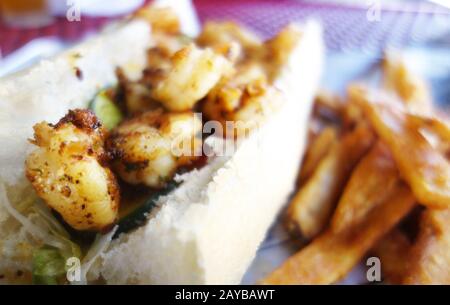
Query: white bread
point(208, 230)
point(45, 92)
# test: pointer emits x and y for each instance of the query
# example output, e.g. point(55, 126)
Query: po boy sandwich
point(145, 156)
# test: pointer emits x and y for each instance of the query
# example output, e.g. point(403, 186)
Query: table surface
point(346, 27)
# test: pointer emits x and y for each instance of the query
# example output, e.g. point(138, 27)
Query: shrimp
point(161, 19)
point(192, 74)
point(243, 99)
point(278, 49)
point(149, 148)
point(230, 40)
point(134, 96)
point(175, 79)
point(68, 171)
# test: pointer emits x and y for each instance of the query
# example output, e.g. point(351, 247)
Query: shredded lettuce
point(99, 245)
point(49, 263)
point(33, 229)
point(52, 223)
point(70, 249)
point(48, 260)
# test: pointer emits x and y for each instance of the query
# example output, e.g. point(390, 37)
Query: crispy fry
point(315, 128)
point(424, 168)
point(329, 257)
point(317, 150)
point(328, 106)
point(436, 130)
point(352, 115)
point(370, 182)
point(393, 251)
point(411, 88)
point(330, 101)
point(439, 126)
point(313, 205)
point(430, 255)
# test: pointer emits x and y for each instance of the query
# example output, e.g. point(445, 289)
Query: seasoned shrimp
point(278, 48)
point(192, 74)
point(148, 149)
point(68, 171)
point(136, 95)
point(161, 19)
point(230, 40)
point(243, 99)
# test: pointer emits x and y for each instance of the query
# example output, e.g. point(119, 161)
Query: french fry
point(438, 126)
point(327, 113)
point(435, 130)
point(331, 256)
point(411, 88)
point(424, 168)
point(393, 252)
point(318, 148)
point(328, 106)
point(368, 185)
point(329, 100)
point(315, 128)
point(429, 262)
point(314, 203)
point(351, 116)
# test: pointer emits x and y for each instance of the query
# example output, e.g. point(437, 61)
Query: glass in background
point(25, 13)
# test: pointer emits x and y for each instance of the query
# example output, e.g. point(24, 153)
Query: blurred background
point(356, 31)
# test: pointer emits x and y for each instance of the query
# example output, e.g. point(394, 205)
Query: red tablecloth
point(345, 27)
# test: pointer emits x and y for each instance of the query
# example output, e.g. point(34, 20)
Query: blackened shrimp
point(149, 148)
point(68, 171)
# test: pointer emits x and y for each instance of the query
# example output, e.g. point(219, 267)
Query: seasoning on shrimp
point(150, 147)
point(68, 170)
